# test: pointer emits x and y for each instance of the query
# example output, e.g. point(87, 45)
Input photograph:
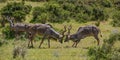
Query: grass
point(58, 51)
point(52, 53)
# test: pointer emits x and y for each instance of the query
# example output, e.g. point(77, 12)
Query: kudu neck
point(72, 36)
point(11, 23)
point(55, 34)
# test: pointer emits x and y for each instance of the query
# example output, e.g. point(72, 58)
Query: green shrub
point(37, 11)
point(116, 19)
point(68, 7)
point(106, 3)
point(51, 12)
point(81, 17)
point(37, 0)
point(2, 42)
point(8, 33)
point(114, 56)
point(116, 4)
point(3, 0)
point(16, 10)
point(106, 51)
point(81, 11)
point(43, 18)
point(99, 14)
point(39, 14)
point(55, 11)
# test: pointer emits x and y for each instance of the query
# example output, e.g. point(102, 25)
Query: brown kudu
point(17, 27)
point(81, 33)
point(47, 31)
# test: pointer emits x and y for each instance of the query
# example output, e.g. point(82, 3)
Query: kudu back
point(82, 33)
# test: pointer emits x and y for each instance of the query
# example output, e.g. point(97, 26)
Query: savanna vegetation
point(105, 14)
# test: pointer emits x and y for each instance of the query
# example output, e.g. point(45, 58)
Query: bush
point(2, 42)
point(16, 10)
point(106, 3)
point(116, 19)
point(106, 52)
point(39, 14)
point(43, 18)
point(99, 14)
point(82, 18)
point(51, 12)
point(3, 0)
point(114, 56)
point(81, 11)
point(8, 33)
point(116, 3)
point(37, 11)
point(55, 10)
point(37, 0)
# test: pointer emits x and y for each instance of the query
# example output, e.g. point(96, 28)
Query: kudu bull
point(47, 31)
point(81, 33)
point(17, 27)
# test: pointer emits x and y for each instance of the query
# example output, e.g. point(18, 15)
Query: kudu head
point(62, 34)
point(10, 20)
point(68, 34)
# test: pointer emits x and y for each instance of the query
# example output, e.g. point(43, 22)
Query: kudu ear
point(12, 18)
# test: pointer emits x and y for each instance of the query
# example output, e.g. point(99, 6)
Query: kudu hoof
point(39, 47)
point(30, 46)
point(74, 46)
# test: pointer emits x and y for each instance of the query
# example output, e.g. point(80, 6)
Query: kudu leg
point(73, 44)
point(16, 35)
point(28, 43)
point(48, 42)
point(31, 37)
point(77, 43)
point(98, 41)
point(28, 36)
point(32, 43)
point(42, 41)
